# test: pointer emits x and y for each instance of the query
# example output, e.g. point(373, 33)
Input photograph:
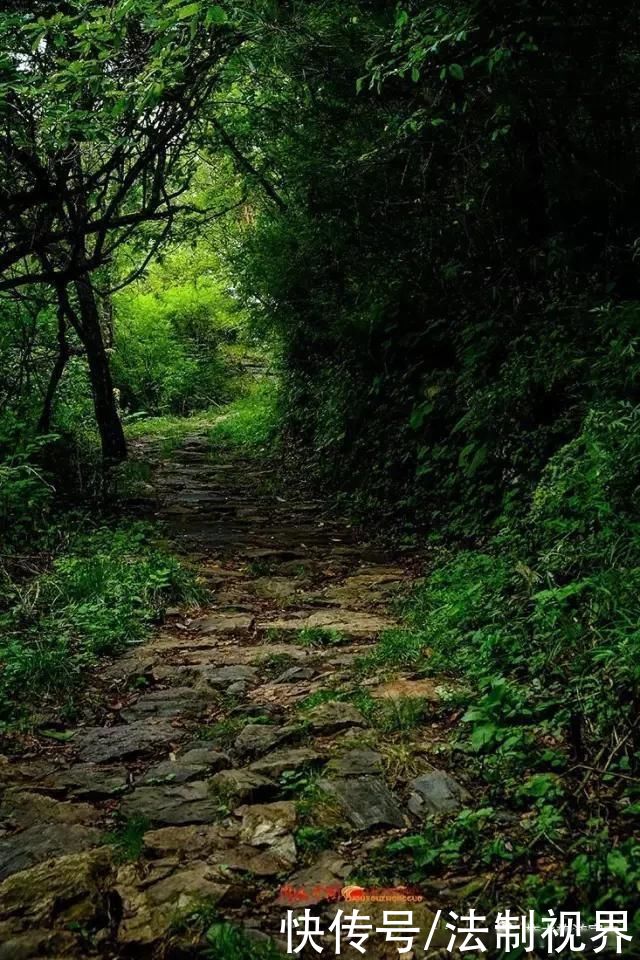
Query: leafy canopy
point(98, 110)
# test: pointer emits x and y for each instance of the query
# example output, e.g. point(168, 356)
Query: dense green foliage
point(175, 334)
point(251, 422)
point(435, 273)
point(452, 277)
point(225, 940)
point(103, 588)
point(101, 108)
point(433, 224)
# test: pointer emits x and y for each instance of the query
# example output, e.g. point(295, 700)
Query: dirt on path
point(229, 758)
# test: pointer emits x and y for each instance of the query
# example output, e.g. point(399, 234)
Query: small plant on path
point(228, 942)
point(320, 637)
point(127, 838)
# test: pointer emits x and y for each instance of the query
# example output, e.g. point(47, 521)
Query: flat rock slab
point(172, 771)
point(53, 944)
point(303, 568)
point(173, 804)
point(257, 738)
point(205, 753)
point(221, 678)
point(281, 761)
point(355, 763)
point(244, 859)
point(202, 495)
point(367, 802)
point(211, 570)
point(320, 882)
point(191, 657)
point(41, 842)
point(163, 704)
point(283, 694)
point(270, 825)
point(150, 906)
point(172, 644)
point(334, 715)
point(23, 809)
point(352, 624)
point(296, 674)
point(360, 592)
point(436, 792)
point(88, 781)
point(407, 689)
point(273, 588)
point(274, 554)
point(138, 664)
point(27, 773)
point(242, 785)
point(218, 845)
point(218, 623)
point(192, 840)
point(102, 744)
point(57, 892)
point(383, 572)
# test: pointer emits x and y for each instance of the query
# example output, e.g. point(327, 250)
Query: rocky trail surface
point(225, 768)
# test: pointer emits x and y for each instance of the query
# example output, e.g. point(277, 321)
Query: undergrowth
point(541, 623)
point(320, 637)
point(228, 942)
point(169, 430)
point(100, 593)
point(251, 421)
point(127, 838)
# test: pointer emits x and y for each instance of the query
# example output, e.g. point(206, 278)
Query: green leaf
point(419, 414)
point(618, 864)
point(216, 14)
point(478, 459)
point(191, 10)
point(483, 735)
point(456, 71)
point(62, 735)
point(540, 785)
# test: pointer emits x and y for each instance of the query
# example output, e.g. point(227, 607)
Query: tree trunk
point(64, 352)
point(44, 423)
point(114, 446)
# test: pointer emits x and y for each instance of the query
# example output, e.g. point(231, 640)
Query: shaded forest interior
point(391, 253)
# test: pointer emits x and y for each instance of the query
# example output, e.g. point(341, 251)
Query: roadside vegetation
point(91, 592)
point(398, 245)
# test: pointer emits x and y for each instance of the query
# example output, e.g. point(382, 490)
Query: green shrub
point(159, 372)
point(99, 595)
point(127, 838)
point(320, 637)
point(227, 942)
point(542, 624)
point(172, 330)
point(251, 421)
point(25, 497)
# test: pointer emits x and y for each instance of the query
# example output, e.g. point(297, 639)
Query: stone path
point(227, 756)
